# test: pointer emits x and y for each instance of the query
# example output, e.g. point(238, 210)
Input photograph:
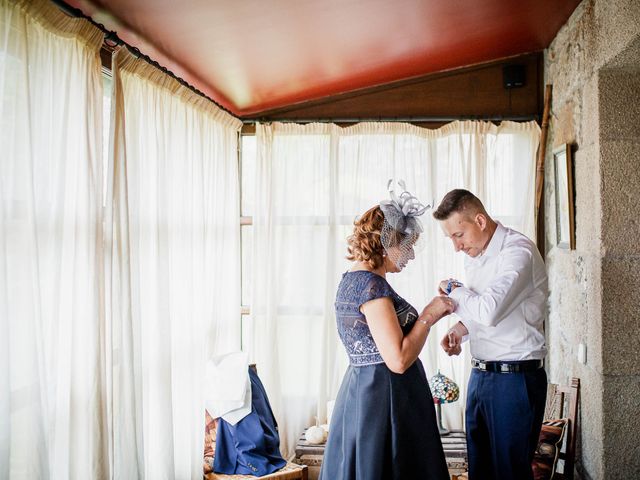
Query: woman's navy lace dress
point(383, 425)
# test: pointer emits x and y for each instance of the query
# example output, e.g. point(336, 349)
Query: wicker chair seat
point(291, 471)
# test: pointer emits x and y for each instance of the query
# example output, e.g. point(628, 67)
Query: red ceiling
point(252, 55)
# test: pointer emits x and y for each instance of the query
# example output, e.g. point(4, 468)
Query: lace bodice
point(355, 289)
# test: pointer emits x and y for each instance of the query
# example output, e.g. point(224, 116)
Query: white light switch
point(582, 353)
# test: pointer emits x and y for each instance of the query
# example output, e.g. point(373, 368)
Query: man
point(501, 306)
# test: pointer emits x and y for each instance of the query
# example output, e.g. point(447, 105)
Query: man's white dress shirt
point(503, 302)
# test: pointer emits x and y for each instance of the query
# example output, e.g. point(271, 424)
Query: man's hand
point(452, 341)
point(442, 286)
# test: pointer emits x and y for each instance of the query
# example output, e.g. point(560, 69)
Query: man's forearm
point(460, 329)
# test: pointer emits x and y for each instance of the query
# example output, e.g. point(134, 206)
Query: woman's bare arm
point(399, 351)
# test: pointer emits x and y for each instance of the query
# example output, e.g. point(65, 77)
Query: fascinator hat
point(401, 228)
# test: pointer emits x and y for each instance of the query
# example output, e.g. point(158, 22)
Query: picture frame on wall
point(565, 219)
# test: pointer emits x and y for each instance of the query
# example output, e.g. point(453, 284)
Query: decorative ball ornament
point(315, 435)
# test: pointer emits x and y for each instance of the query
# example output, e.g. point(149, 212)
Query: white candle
point(330, 405)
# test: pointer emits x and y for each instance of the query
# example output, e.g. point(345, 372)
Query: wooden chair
point(562, 402)
point(291, 471)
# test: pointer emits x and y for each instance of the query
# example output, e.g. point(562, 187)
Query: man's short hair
point(458, 200)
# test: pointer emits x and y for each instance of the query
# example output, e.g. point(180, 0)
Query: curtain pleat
point(53, 422)
point(174, 267)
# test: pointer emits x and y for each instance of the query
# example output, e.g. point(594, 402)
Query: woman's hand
point(437, 308)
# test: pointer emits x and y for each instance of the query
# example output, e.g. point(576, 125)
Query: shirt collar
point(495, 244)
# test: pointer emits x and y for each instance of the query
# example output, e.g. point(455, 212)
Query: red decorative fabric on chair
point(210, 433)
point(545, 459)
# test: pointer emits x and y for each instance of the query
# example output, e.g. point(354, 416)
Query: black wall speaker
point(514, 76)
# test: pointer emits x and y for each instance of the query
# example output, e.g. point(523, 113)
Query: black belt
point(507, 367)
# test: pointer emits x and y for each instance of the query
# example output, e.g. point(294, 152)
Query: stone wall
point(594, 67)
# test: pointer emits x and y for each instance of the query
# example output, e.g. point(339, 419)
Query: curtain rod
point(522, 118)
point(111, 36)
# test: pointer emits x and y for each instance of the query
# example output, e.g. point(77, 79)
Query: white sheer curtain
point(311, 182)
point(52, 397)
point(175, 285)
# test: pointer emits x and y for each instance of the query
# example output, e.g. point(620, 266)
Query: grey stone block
point(628, 59)
point(574, 314)
point(621, 315)
point(592, 285)
point(617, 26)
point(590, 424)
point(622, 424)
point(620, 198)
point(588, 208)
point(590, 121)
point(619, 91)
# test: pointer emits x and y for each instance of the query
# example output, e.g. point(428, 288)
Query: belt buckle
point(505, 368)
point(480, 365)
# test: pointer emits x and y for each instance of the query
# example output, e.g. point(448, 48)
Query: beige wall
point(594, 67)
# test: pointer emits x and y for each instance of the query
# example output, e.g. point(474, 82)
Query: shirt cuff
point(458, 295)
point(469, 326)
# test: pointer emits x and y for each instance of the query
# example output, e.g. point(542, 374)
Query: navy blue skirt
point(384, 428)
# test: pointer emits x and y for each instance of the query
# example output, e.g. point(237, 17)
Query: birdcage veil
point(401, 228)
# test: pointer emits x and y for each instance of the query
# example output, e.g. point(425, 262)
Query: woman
point(383, 425)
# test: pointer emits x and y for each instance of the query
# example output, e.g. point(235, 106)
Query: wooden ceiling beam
point(474, 92)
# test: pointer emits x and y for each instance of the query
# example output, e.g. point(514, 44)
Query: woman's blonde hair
point(364, 245)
